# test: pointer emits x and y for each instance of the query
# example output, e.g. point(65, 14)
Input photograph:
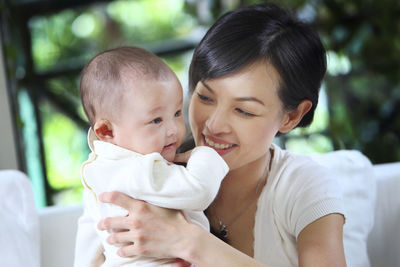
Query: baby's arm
point(194, 187)
point(172, 186)
point(183, 157)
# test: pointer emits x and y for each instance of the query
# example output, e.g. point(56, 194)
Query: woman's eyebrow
point(241, 99)
point(250, 98)
point(207, 87)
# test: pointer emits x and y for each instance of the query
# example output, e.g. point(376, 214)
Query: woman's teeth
point(218, 146)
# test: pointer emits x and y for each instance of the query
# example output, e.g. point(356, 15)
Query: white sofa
point(58, 225)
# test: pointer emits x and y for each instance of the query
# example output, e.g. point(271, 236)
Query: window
point(46, 44)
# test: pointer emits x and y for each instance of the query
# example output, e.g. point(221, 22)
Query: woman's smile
point(222, 147)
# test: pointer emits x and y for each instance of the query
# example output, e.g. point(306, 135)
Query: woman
point(256, 73)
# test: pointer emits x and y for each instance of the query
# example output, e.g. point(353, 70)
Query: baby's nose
point(172, 129)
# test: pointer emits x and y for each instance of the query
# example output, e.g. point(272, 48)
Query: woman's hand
point(148, 230)
point(163, 233)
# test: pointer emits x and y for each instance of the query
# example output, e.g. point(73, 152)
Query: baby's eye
point(178, 113)
point(204, 98)
point(156, 120)
point(242, 112)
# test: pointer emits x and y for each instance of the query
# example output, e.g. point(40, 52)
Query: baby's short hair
point(107, 74)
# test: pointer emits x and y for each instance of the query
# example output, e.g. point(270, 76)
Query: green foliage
point(65, 148)
point(53, 41)
point(69, 38)
point(149, 21)
point(314, 143)
point(365, 100)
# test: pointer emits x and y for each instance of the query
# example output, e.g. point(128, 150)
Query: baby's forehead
point(145, 98)
point(136, 70)
point(145, 88)
point(137, 79)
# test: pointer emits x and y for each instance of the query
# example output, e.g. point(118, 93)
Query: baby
point(134, 104)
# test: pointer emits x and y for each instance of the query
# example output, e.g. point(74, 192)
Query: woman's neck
point(240, 184)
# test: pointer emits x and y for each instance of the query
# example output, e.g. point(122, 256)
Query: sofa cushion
point(57, 247)
point(19, 227)
point(384, 239)
point(355, 175)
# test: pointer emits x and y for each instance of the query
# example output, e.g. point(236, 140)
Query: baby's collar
point(91, 138)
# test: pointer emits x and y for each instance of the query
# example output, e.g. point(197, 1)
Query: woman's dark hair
point(264, 32)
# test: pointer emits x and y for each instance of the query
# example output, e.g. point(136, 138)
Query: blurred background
point(46, 43)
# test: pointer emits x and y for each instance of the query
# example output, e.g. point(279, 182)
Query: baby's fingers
point(182, 157)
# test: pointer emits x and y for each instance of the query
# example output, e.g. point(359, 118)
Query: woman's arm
point(321, 242)
point(164, 233)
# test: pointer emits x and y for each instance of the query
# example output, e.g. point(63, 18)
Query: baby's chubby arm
point(172, 186)
point(183, 157)
point(207, 169)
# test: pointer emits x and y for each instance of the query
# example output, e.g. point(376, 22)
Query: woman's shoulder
point(299, 173)
point(286, 161)
point(301, 190)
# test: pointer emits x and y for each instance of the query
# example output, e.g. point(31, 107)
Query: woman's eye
point(178, 113)
point(204, 98)
point(242, 112)
point(156, 121)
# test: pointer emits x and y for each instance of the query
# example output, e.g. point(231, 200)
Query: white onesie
point(147, 177)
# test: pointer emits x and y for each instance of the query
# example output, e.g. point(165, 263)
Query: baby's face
point(150, 118)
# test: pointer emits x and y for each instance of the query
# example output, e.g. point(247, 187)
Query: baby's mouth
point(169, 146)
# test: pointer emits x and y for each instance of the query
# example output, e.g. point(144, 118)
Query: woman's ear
point(292, 118)
point(104, 130)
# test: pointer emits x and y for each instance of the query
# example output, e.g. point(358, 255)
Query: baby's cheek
point(182, 132)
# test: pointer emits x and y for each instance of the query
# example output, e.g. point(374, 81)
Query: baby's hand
point(183, 157)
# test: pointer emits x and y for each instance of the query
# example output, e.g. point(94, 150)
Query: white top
point(298, 192)
point(147, 177)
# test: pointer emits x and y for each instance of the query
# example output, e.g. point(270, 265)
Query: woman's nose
point(217, 122)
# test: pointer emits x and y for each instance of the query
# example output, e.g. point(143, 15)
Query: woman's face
point(238, 115)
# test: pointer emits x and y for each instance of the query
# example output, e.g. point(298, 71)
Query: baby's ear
point(104, 130)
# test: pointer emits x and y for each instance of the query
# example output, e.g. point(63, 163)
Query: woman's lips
point(220, 146)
